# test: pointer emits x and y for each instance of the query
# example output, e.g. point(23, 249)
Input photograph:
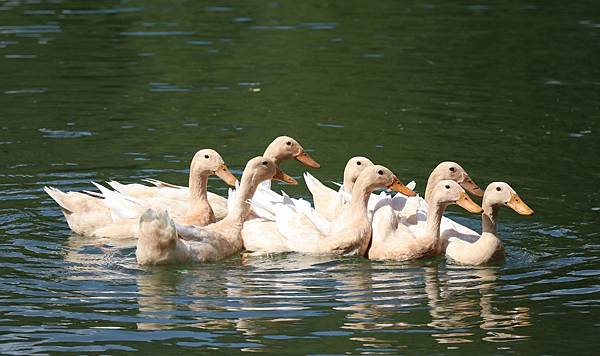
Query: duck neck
point(241, 209)
point(431, 183)
point(271, 153)
point(359, 201)
point(489, 217)
point(434, 220)
point(200, 211)
point(348, 186)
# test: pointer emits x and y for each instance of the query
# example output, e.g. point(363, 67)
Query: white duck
point(350, 232)
point(159, 242)
point(282, 148)
point(115, 215)
point(487, 247)
point(413, 211)
point(261, 234)
point(394, 240)
point(328, 202)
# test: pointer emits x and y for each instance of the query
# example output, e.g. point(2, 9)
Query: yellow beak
point(518, 205)
point(307, 160)
point(469, 205)
point(401, 188)
point(225, 174)
point(281, 176)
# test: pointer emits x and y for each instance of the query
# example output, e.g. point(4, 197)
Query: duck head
point(208, 162)
point(448, 192)
point(263, 168)
point(502, 194)
point(354, 167)
point(453, 171)
point(285, 147)
point(377, 177)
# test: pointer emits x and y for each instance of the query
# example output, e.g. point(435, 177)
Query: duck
point(84, 213)
point(111, 214)
point(162, 241)
point(486, 247)
point(260, 233)
point(328, 202)
point(280, 149)
point(393, 240)
point(305, 231)
point(413, 210)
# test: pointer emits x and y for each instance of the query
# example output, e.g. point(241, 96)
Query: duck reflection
point(277, 292)
point(173, 296)
point(295, 295)
point(463, 299)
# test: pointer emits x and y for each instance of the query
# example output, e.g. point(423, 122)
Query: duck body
point(305, 230)
point(487, 247)
point(84, 213)
point(394, 239)
point(112, 214)
point(162, 241)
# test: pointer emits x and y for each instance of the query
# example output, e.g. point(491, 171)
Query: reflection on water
point(268, 296)
point(128, 90)
point(453, 306)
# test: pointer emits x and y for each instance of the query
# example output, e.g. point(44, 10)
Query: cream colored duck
point(350, 232)
point(115, 215)
point(282, 148)
point(261, 234)
point(487, 247)
point(413, 211)
point(197, 209)
point(447, 170)
point(84, 213)
point(328, 202)
point(394, 240)
point(159, 242)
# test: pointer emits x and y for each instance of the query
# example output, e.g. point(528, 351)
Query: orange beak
point(517, 204)
point(281, 176)
point(225, 174)
point(469, 205)
point(401, 188)
point(307, 160)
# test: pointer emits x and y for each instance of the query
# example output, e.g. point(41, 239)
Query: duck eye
point(380, 172)
point(498, 188)
point(358, 163)
point(289, 143)
point(447, 187)
point(265, 163)
point(452, 169)
point(206, 156)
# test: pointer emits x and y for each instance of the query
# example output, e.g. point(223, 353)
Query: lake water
point(131, 89)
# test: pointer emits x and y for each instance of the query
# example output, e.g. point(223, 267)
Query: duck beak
point(469, 185)
point(401, 188)
point(281, 176)
point(307, 160)
point(225, 174)
point(469, 205)
point(517, 204)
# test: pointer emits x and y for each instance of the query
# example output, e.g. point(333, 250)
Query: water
point(131, 89)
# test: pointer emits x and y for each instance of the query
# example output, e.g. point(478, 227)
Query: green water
point(97, 90)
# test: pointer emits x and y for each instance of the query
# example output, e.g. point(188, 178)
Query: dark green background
point(92, 90)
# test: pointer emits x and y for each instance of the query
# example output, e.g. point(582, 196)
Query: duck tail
point(157, 230)
point(60, 198)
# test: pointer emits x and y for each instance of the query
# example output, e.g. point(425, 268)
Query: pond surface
point(131, 89)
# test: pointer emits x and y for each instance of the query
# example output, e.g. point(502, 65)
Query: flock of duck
point(175, 224)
